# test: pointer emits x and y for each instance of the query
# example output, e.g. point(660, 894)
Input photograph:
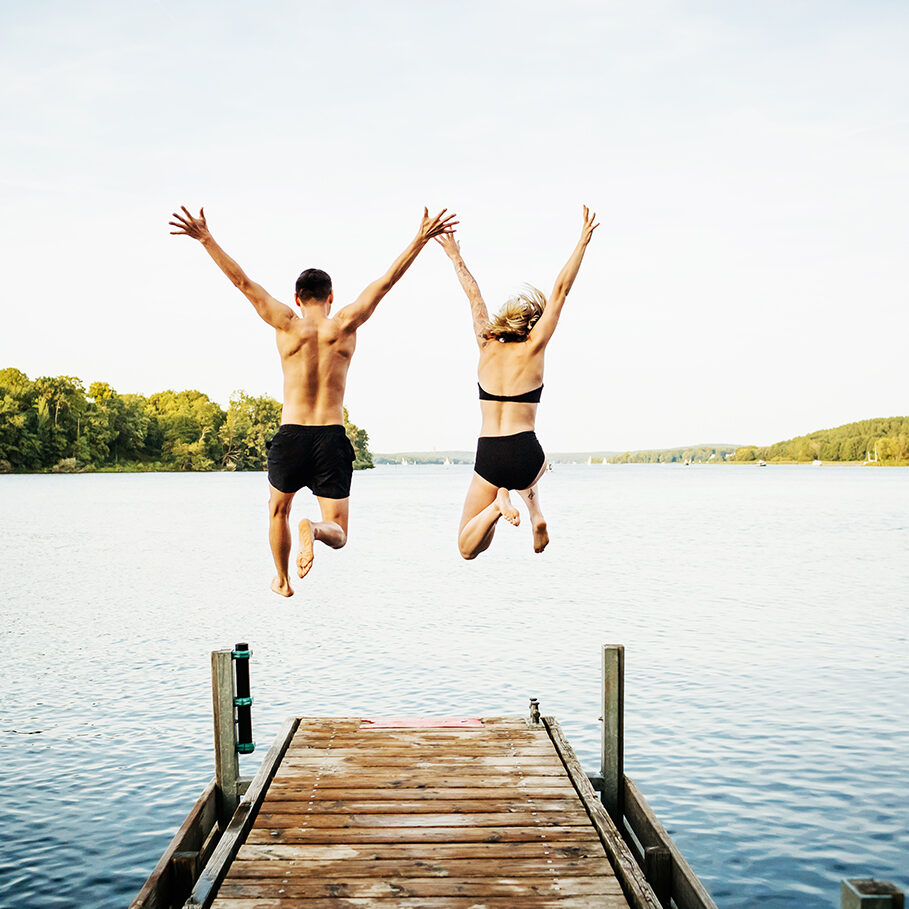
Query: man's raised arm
point(355, 314)
point(277, 314)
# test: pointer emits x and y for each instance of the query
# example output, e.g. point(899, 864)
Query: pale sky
point(749, 163)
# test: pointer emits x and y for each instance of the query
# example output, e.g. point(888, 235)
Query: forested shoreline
point(55, 424)
point(884, 440)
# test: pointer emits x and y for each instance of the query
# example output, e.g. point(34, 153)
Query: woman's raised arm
point(543, 330)
point(471, 288)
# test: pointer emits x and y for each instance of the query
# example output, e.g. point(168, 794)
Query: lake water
point(765, 615)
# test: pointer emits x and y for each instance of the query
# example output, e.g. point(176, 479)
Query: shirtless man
point(311, 447)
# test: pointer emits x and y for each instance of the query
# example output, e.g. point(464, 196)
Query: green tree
point(250, 423)
point(189, 422)
point(359, 438)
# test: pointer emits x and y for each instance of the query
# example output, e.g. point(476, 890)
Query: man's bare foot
point(509, 512)
point(304, 557)
point(540, 536)
point(282, 590)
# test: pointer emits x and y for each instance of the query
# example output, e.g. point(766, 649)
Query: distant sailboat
point(447, 462)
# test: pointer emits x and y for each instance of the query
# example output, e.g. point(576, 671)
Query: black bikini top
point(529, 397)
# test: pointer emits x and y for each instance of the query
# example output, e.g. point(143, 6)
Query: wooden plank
point(157, 890)
point(687, 890)
point(448, 763)
point(345, 868)
point(453, 752)
point(214, 871)
point(524, 817)
point(394, 888)
point(292, 856)
point(303, 806)
point(604, 901)
point(352, 725)
point(423, 780)
point(484, 733)
point(417, 834)
point(416, 739)
point(634, 885)
point(287, 792)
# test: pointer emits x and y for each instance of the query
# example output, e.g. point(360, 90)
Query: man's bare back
point(311, 449)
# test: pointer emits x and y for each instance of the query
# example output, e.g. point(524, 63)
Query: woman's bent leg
point(484, 505)
point(531, 499)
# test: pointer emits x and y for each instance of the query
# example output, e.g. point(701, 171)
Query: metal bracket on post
point(243, 699)
point(227, 768)
point(612, 752)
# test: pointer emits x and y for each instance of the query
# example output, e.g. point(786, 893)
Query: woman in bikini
point(512, 345)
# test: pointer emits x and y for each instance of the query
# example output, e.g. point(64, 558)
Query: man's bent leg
point(331, 530)
point(279, 538)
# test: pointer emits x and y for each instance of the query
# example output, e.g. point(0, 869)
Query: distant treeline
point(54, 424)
point(424, 457)
point(884, 440)
point(697, 454)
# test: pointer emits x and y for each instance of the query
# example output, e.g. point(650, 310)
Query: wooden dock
point(483, 814)
point(444, 813)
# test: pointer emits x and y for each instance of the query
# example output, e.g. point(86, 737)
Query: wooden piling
point(227, 767)
point(612, 752)
point(867, 893)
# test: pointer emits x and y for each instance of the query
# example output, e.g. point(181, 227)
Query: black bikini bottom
point(512, 462)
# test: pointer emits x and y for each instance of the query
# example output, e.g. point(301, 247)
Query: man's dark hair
point(313, 284)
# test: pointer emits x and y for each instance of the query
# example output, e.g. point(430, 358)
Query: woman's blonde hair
point(519, 314)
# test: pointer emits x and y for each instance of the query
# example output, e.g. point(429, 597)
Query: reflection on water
point(764, 612)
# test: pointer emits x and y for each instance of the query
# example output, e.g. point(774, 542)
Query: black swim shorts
point(513, 462)
point(320, 457)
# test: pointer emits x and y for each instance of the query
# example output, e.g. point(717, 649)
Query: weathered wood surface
point(638, 892)
point(226, 849)
point(227, 770)
point(455, 818)
point(168, 885)
point(687, 891)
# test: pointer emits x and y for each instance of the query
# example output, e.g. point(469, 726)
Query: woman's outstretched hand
point(589, 225)
point(190, 226)
point(432, 227)
point(449, 244)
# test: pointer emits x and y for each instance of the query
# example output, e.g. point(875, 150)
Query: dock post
point(227, 766)
point(612, 752)
point(867, 893)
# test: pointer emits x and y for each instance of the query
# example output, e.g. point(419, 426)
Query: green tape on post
point(242, 702)
point(246, 747)
point(241, 654)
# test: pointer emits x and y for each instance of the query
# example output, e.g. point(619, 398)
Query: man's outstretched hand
point(589, 225)
point(432, 227)
point(190, 226)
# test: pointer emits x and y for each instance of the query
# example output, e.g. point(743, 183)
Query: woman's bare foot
point(540, 536)
point(304, 557)
point(509, 512)
point(282, 590)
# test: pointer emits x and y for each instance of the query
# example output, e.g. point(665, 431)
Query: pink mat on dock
point(396, 722)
